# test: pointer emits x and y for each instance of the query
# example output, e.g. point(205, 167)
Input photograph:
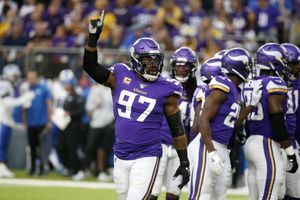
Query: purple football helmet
point(237, 61)
point(220, 54)
point(270, 57)
point(183, 64)
point(292, 59)
point(147, 58)
point(210, 69)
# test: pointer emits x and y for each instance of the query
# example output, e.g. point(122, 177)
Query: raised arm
point(90, 59)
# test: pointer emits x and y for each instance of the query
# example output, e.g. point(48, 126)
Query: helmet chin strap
point(181, 80)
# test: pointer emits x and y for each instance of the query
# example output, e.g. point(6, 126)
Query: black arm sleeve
point(278, 127)
point(98, 72)
point(175, 124)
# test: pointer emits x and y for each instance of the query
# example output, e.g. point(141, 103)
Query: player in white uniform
point(7, 104)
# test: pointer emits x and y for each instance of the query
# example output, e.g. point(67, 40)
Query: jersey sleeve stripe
point(219, 87)
point(199, 99)
point(178, 93)
point(277, 90)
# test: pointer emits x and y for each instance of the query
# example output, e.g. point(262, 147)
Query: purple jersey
point(239, 21)
point(258, 121)
point(266, 18)
point(184, 105)
point(138, 110)
point(292, 107)
point(223, 123)
point(144, 16)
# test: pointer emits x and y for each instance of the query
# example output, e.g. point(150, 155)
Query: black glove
point(292, 162)
point(95, 29)
point(234, 160)
point(240, 138)
point(183, 168)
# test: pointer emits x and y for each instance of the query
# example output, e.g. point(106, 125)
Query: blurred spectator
point(133, 34)
point(28, 7)
point(68, 139)
point(36, 117)
point(40, 36)
point(123, 11)
point(16, 36)
point(61, 38)
point(32, 18)
point(100, 137)
point(54, 15)
point(6, 5)
point(266, 18)
point(7, 103)
point(160, 34)
point(194, 14)
point(6, 22)
point(170, 15)
point(110, 19)
point(144, 12)
point(239, 18)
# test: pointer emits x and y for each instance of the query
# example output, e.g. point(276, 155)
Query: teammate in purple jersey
point(210, 69)
point(292, 59)
point(208, 153)
point(183, 65)
point(140, 98)
point(267, 128)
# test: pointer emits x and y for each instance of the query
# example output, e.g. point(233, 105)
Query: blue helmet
point(210, 69)
point(185, 61)
point(271, 57)
point(237, 61)
point(146, 52)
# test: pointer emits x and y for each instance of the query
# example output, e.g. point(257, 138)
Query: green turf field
point(56, 193)
point(16, 192)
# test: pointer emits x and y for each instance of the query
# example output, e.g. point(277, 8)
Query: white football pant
point(169, 162)
point(266, 168)
point(292, 181)
point(134, 179)
point(203, 184)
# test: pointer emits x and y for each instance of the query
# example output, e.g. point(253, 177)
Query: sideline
point(87, 185)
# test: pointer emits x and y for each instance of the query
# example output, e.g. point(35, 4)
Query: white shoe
point(5, 172)
point(104, 177)
point(79, 176)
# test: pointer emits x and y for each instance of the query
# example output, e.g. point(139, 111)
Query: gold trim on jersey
point(277, 90)
point(219, 87)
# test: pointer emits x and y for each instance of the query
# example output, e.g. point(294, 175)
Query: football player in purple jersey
point(267, 129)
point(141, 98)
point(183, 65)
point(208, 153)
point(292, 59)
point(210, 69)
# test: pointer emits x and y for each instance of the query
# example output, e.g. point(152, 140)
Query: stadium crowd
point(203, 25)
point(62, 118)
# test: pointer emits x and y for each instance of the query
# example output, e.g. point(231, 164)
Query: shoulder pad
point(221, 83)
point(119, 67)
point(173, 86)
point(276, 85)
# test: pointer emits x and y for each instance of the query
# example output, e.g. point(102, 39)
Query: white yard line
point(88, 185)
